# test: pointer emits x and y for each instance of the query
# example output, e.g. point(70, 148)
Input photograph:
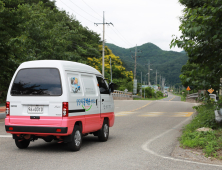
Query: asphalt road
point(2, 115)
point(143, 137)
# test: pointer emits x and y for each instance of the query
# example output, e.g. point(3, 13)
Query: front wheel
point(22, 144)
point(76, 142)
point(103, 133)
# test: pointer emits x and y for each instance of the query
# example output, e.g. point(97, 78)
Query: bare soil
point(196, 155)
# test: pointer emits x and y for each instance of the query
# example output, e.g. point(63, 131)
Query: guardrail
point(118, 93)
point(193, 95)
point(192, 98)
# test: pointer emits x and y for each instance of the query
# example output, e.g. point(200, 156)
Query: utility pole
point(156, 77)
point(135, 80)
point(148, 80)
point(103, 72)
point(111, 70)
point(149, 73)
point(141, 84)
point(163, 82)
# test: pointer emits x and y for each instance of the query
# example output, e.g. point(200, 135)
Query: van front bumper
point(36, 129)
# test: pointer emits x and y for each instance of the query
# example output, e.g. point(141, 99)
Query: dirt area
point(193, 155)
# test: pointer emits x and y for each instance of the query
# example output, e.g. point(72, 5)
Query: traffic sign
point(210, 90)
point(188, 88)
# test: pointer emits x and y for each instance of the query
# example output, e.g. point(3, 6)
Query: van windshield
point(37, 81)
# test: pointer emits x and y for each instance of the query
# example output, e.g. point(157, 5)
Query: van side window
point(102, 86)
point(89, 84)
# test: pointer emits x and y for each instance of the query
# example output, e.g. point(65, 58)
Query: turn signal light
point(65, 109)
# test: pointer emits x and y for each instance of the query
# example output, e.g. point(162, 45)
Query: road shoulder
point(193, 155)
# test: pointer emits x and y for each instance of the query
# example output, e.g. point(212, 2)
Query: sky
point(135, 22)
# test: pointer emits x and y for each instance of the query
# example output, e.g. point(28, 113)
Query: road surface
point(143, 137)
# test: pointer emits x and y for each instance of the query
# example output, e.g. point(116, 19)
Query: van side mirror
point(111, 87)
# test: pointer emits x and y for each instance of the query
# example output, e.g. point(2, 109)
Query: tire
point(76, 142)
point(22, 144)
point(103, 133)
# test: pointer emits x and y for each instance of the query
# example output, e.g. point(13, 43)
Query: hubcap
point(77, 138)
point(106, 130)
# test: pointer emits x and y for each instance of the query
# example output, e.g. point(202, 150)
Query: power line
point(75, 12)
point(118, 34)
point(91, 8)
point(104, 23)
point(121, 37)
point(84, 10)
point(108, 36)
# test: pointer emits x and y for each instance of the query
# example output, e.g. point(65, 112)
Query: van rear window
point(37, 81)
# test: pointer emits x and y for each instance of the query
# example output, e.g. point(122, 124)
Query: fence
point(121, 95)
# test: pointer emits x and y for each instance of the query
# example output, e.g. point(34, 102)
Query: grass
point(182, 97)
point(211, 141)
point(153, 98)
point(2, 104)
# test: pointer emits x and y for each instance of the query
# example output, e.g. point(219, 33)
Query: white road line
point(5, 136)
point(146, 147)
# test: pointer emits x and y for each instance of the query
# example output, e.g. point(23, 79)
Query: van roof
point(67, 65)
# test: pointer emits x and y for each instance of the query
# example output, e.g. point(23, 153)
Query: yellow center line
point(140, 107)
point(172, 98)
point(124, 113)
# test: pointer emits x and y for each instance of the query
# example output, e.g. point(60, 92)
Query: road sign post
point(188, 89)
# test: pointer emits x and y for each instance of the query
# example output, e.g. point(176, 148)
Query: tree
point(37, 30)
point(198, 78)
point(122, 78)
point(201, 27)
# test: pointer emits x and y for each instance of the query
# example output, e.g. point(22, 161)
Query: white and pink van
point(61, 100)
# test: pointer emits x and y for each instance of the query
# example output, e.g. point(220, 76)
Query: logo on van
point(75, 84)
point(86, 103)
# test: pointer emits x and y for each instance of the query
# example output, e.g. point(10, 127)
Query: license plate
point(35, 109)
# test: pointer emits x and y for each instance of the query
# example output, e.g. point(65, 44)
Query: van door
point(91, 103)
point(36, 92)
point(105, 98)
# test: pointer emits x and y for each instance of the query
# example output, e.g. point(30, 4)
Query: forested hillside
point(38, 30)
point(167, 63)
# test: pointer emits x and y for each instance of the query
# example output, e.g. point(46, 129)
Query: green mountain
point(167, 63)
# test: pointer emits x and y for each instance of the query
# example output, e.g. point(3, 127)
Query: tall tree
point(36, 29)
point(201, 27)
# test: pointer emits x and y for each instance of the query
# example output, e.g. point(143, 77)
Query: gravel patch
point(193, 155)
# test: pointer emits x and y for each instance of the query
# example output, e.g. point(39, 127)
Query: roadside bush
point(149, 92)
point(210, 141)
point(159, 94)
point(204, 118)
